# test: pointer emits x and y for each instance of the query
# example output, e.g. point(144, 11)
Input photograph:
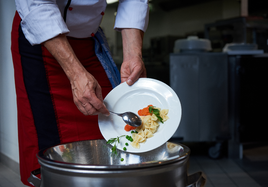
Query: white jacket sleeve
point(41, 20)
point(132, 14)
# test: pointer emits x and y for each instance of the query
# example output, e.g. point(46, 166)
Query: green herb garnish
point(156, 112)
point(122, 159)
point(114, 149)
point(114, 140)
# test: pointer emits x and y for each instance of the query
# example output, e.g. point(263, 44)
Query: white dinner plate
point(144, 92)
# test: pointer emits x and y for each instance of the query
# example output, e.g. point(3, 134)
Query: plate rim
point(138, 84)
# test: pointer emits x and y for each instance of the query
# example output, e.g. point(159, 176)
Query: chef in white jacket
point(63, 69)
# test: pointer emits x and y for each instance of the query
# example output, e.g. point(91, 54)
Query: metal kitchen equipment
point(200, 78)
point(247, 99)
point(251, 30)
point(91, 163)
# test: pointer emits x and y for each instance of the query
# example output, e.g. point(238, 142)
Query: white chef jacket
point(45, 19)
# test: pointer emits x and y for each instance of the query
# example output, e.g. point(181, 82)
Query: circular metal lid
point(97, 154)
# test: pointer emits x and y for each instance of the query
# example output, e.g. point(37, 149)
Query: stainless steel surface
point(33, 179)
point(91, 163)
point(197, 179)
point(201, 81)
point(97, 154)
point(129, 118)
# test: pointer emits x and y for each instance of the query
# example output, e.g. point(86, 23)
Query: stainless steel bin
point(201, 81)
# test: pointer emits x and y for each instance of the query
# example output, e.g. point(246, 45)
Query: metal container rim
point(43, 159)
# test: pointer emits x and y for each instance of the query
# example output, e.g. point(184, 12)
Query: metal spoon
point(130, 118)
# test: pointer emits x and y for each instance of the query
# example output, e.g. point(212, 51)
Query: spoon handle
point(115, 113)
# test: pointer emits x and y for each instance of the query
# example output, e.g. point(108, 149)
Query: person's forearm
point(60, 48)
point(87, 93)
point(132, 67)
point(132, 43)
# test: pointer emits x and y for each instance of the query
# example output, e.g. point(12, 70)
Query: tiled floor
point(222, 172)
point(8, 178)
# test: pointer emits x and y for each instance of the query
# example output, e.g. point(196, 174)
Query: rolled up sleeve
point(132, 14)
point(41, 21)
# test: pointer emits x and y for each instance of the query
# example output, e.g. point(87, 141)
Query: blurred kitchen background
point(213, 53)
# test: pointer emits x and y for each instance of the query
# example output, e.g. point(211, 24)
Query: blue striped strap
point(103, 53)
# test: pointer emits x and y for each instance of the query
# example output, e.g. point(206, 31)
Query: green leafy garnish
point(114, 140)
point(156, 112)
point(114, 149)
point(110, 141)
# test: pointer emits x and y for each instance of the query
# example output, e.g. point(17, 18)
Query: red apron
point(47, 115)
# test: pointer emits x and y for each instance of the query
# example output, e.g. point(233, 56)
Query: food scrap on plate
point(150, 116)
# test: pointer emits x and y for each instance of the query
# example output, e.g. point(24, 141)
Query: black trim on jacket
point(65, 10)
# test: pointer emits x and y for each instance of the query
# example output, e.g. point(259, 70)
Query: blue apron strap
point(103, 53)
